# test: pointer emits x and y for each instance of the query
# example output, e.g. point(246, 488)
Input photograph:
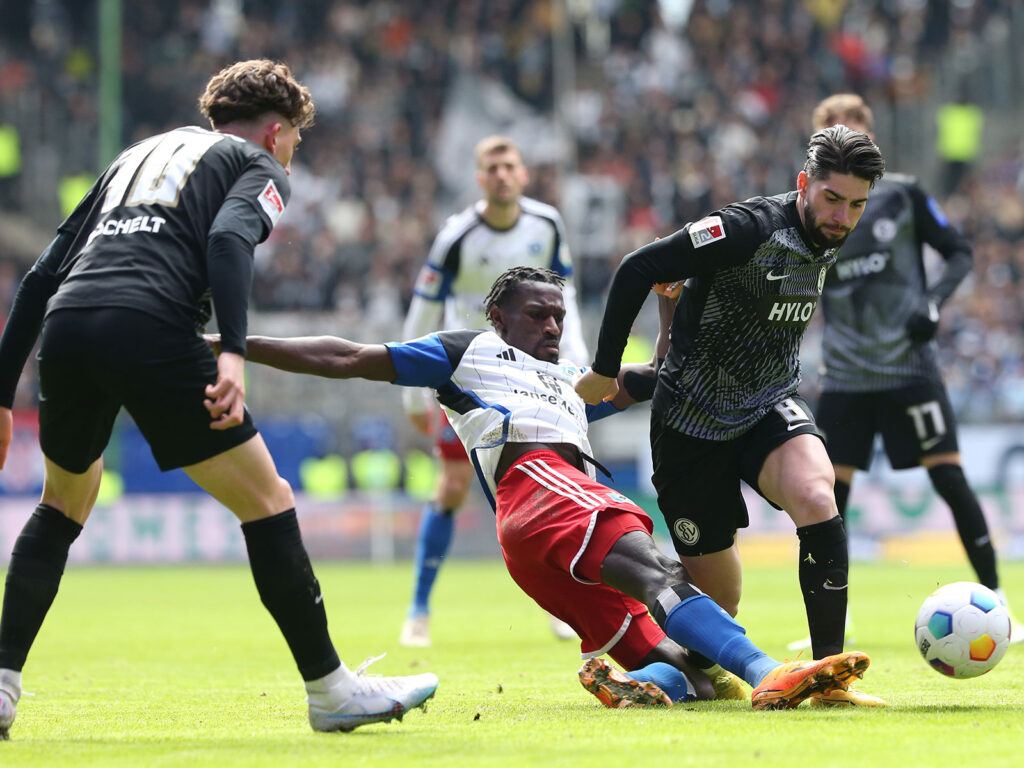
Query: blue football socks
point(699, 623)
point(435, 538)
point(671, 680)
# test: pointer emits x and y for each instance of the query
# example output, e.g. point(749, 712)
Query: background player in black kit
point(881, 372)
point(726, 407)
point(119, 294)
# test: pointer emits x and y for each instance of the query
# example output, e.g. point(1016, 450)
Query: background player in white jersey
point(881, 370)
point(505, 229)
point(116, 299)
point(581, 550)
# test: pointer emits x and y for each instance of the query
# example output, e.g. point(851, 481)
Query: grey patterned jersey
point(878, 282)
point(753, 284)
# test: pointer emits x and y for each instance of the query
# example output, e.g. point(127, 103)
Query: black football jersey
point(878, 282)
point(753, 282)
point(140, 234)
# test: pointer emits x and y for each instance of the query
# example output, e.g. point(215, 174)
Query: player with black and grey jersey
point(753, 276)
point(880, 313)
point(881, 375)
point(726, 406)
point(115, 302)
point(140, 237)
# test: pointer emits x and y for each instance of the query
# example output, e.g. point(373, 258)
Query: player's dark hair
point(248, 89)
point(838, 149)
point(509, 280)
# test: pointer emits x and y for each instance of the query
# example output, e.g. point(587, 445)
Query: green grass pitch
point(182, 666)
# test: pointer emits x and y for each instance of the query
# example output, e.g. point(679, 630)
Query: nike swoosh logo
point(829, 587)
point(931, 442)
point(791, 427)
point(319, 599)
point(771, 276)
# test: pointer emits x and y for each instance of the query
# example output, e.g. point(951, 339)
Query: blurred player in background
point(726, 406)
point(503, 230)
point(881, 373)
point(171, 224)
point(578, 548)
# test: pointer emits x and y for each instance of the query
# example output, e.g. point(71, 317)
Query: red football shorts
point(555, 527)
point(448, 446)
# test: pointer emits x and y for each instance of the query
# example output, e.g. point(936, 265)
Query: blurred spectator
point(653, 123)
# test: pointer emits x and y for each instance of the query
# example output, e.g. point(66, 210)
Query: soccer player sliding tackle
point(582, 551)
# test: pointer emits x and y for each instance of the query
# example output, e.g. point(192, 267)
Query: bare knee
point(271, 501)
point(815, 503)
point(283, 497)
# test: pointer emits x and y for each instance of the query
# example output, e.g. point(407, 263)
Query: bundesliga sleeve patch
point(271, 202)
point(429, 283)
point(707, 230)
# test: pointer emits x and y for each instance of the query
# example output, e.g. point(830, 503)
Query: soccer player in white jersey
point(581, 550)
point(504, 229)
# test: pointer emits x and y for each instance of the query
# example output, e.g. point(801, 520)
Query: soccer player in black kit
point(120, 294)
point(726, 406)
point(881, 373)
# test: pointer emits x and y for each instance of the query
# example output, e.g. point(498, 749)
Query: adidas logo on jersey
point(507, 354)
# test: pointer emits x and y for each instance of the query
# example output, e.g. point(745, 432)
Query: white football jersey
point(468, 255)
point(494, 394)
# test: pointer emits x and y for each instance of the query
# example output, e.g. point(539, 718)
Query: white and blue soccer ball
point(962, 629)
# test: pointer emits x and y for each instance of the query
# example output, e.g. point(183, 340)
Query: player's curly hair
point(509, 280)
point(248, 89)
point(838, 149)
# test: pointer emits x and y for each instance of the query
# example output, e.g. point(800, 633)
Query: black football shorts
point(698, 481)
point(94, 361)
point(914, 421)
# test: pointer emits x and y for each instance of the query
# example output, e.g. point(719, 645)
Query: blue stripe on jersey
point(500, 441)
point(565, 270)
point(937, 212)
point(602, 409)
point(444, 281)
point(422, 362)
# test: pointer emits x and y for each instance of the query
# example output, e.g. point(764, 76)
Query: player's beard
point(817, 233)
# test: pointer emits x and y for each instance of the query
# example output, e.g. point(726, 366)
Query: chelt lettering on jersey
point(271, 202)
point(781, 310)
point(112, 227)
point(707, 230)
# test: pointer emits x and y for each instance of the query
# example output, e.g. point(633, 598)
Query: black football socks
point(824, 568)
point(289, 590)
point(33, 577)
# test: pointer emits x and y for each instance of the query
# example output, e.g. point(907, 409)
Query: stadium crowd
point(672, 114)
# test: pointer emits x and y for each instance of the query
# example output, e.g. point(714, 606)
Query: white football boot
point(373, 699)
point(10, 692)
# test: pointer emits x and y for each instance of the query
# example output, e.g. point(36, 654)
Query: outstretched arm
point(328, 356)
point(635, 382)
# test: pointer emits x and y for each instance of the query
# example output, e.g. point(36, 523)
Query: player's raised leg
point(692, 619)
point(245, 480)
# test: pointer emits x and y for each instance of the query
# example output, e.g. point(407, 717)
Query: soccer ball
point(962, 629)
